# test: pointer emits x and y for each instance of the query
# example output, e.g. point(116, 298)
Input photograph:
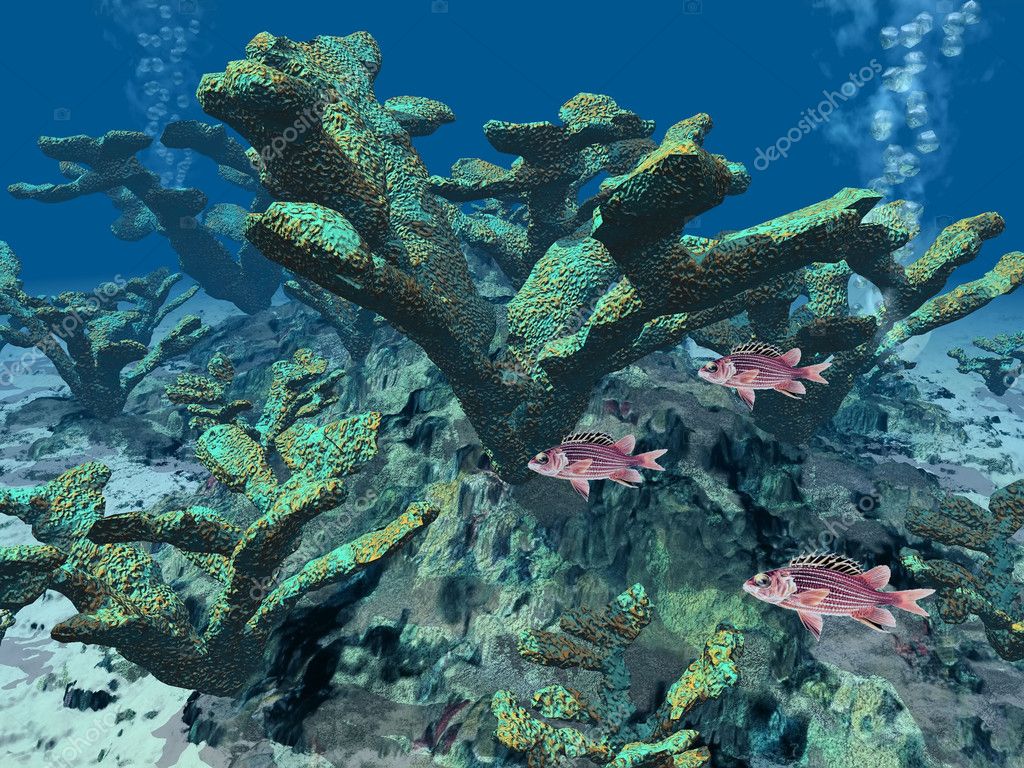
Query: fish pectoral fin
point(582, 487)
point(810, 598)
point(579, 467)
point(877, 618)
point(747, 396)
point(747, 377)
point(812, 621)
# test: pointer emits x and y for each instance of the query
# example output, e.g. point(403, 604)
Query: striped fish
point(587, 456)
point(756, 365)
point(832, 585)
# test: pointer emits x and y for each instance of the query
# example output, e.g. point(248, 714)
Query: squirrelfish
point(756, 365)
point(832, 585)
point(587, 456)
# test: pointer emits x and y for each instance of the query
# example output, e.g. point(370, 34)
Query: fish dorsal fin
point(594, 438)
point(757, 348)
point(830, 562)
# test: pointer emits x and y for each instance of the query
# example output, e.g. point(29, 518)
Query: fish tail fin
point(813, 372)
point(907, 600)
point(647, 460)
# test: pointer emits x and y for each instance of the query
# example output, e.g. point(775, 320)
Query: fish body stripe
point(846, 593)
point(605, 459)
point(770, 371)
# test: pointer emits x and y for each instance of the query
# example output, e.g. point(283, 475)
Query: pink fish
point(833, 585)
point(587, 456)
point(756, 365)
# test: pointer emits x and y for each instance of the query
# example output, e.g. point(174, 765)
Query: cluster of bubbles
point(898, 162)
point(163, 84)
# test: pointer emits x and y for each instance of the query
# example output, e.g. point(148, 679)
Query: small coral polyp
point(116, 586)
point(599, 283)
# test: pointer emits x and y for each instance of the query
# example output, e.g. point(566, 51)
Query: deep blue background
point(755, 67)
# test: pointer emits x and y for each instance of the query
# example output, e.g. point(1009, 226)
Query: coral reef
point(987, 588)
point(109, 164)
point(1000, 372)
point(117, 586)
point(827, 325)
point(90, 340)
point(624, 284)
point(612, 736)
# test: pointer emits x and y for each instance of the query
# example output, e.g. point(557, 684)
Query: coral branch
point(117, 587)
point(992, 593)
point(618, 739)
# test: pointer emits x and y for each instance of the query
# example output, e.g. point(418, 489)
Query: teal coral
point(597, 641)
point(100, 349)
point(859, 340)
point(622, 283)
point(108, 164)
point(117, 587)
point(987, 589)
point(999, 372)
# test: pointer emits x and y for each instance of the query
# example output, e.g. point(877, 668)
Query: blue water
point(69, 67)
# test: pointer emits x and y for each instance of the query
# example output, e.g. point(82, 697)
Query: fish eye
point(762, 580)
point(711, 367)
point(541, 458)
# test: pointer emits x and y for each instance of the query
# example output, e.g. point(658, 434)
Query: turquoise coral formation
point(624, 282)
point(99, 348)
point(1002, 368)
point(985, 587)
point(108, 164)
point(117, 587)
point(597, 640)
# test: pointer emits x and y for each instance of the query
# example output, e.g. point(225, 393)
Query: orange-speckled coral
point(116, 586)
point(617, 737)
point(989, 593)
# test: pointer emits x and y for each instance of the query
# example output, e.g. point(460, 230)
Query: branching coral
point(824, 326)
point(555, 161)
point(90, 340)
point(1000, 372)
point(117, 587)
point(988, 591)
point(604, 282)
point(109, 165)
point(597, 641)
